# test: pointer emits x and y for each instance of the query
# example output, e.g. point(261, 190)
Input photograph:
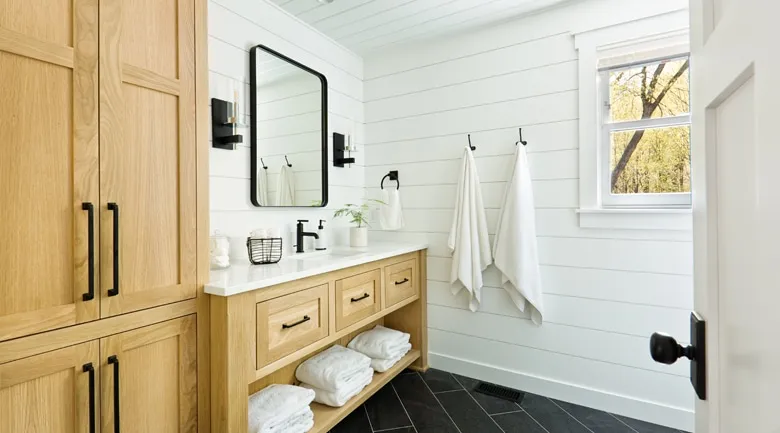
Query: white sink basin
point(326, 255)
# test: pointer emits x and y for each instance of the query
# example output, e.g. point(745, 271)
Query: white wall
point(605, 291)
point(234, 27)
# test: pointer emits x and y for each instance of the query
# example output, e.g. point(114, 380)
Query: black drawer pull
point(90, 208)
point(405, 280)
point(88, 368)
point(293, 325)
point(115, 209)
point(114, 360)
point(365, 295)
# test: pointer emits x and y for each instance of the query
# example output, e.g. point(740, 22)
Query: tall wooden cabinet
point(103, 203)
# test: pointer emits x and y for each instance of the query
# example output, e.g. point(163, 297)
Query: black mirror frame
point(253, 156)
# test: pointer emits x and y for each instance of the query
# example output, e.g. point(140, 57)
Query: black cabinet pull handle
point(90, 295)
point(114, 360)
point(365, 295)
point(88, 368)
point(115, 209)
point(405, 280)
point(293, 325)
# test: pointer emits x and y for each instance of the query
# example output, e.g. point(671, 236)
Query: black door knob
point(665, 349)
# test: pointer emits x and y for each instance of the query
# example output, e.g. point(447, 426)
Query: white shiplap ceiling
point(365, 25)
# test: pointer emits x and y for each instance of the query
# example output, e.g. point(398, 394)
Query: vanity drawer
point(291, 322)
point(400, 282)
point(357, 297)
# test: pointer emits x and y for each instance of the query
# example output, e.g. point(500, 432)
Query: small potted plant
point(358, 235)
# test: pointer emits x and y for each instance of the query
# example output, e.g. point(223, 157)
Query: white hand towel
point(380, 342)
point(391, 216)
point(382, 365)
point(285, 188)
point(262, 187)
point(349, 389)
point(274, 405)
point(331, 368)
point(468, 239)
point(515, 249)
point(299, 422)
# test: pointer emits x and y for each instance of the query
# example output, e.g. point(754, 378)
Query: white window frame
point(645, 201)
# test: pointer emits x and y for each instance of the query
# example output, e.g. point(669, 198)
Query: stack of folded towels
point(281, 409)
point(384, 346)
point(335, 375)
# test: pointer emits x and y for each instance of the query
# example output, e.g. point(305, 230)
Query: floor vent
point(499, 391)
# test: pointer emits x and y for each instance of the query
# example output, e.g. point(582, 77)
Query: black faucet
point(300, 234)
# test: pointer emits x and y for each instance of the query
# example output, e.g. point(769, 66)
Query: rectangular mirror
point(289, 132)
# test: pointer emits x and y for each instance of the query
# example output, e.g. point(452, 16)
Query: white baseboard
point(649, 411)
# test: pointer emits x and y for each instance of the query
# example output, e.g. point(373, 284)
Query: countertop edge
point(348, 262)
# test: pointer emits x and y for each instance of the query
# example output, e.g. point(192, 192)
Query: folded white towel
point(468, 239)
point(382, 365)
point(299, 422)
point(271, 409)
point(331, 368)
point(391, 216)
point(380, 342)
point(348, 390)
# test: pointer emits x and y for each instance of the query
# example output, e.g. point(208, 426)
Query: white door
point(736, 199)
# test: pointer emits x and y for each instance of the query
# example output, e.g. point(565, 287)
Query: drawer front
point(400, 282)
point(291, 322)
point(357, 297)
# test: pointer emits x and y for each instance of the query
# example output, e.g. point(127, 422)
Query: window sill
point(636, 219)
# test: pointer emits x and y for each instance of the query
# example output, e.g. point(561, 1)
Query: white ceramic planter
point(358, 236)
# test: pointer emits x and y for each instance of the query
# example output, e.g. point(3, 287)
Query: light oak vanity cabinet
point(103, 178)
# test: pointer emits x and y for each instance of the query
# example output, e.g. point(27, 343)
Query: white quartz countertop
point(244, 277)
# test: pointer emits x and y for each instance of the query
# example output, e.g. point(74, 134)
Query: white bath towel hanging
point(262, 186)
point(515, 250)
point(391, 216)
point(468, 239)
point(285, 188)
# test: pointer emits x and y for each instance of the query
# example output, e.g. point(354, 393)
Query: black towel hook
point(521, 137)
point(473, 148)
point(263, 164)
point(393, 175)
point(288, 161)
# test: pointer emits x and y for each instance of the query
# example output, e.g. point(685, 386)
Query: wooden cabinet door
point(48, 162)
point(157, 379)
point(51, 392)
point(147, 153)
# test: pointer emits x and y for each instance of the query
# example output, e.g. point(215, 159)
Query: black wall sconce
point(223, 125)
point(339, 149)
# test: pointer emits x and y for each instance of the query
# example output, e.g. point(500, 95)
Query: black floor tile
point(596, 420)
point(425, 411)
point(467, 414)
point(492, 405)
point(385, 410)
point(645, 427)
point(518, 422)
point(440, 381)
point(550, 416)
point(355, 422)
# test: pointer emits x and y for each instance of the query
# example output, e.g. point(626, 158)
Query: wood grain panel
point(49, 392)
point(150, 38)
point(401, 282)
point(48, 167)
point(357, 297)
point(44, 20)
point(158, 375)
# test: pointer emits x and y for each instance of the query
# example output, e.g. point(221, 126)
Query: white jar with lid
point(219, 251)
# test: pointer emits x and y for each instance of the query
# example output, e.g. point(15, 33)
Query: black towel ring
point(521, 138)
point(473, 148)
point(288, 161)
point(263, 164)
point(393, 175)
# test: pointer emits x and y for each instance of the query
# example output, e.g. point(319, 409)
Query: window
point(645, 134)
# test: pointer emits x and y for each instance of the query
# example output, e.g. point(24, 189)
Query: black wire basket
point(264, 251)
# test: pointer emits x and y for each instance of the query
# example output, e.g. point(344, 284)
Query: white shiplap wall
point(605, 291)
point(234, 27)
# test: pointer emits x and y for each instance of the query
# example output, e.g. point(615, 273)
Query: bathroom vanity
point(266, 320)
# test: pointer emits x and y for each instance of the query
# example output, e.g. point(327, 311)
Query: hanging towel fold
point(380, 342)
point(334, 366)
point(262, 187)
point(285, 188)
point(347, 390)
point(468, 239)
point(391, 216)
point(280, 408)
point(515, 249)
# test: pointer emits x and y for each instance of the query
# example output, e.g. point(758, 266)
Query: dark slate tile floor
point(440, 402)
